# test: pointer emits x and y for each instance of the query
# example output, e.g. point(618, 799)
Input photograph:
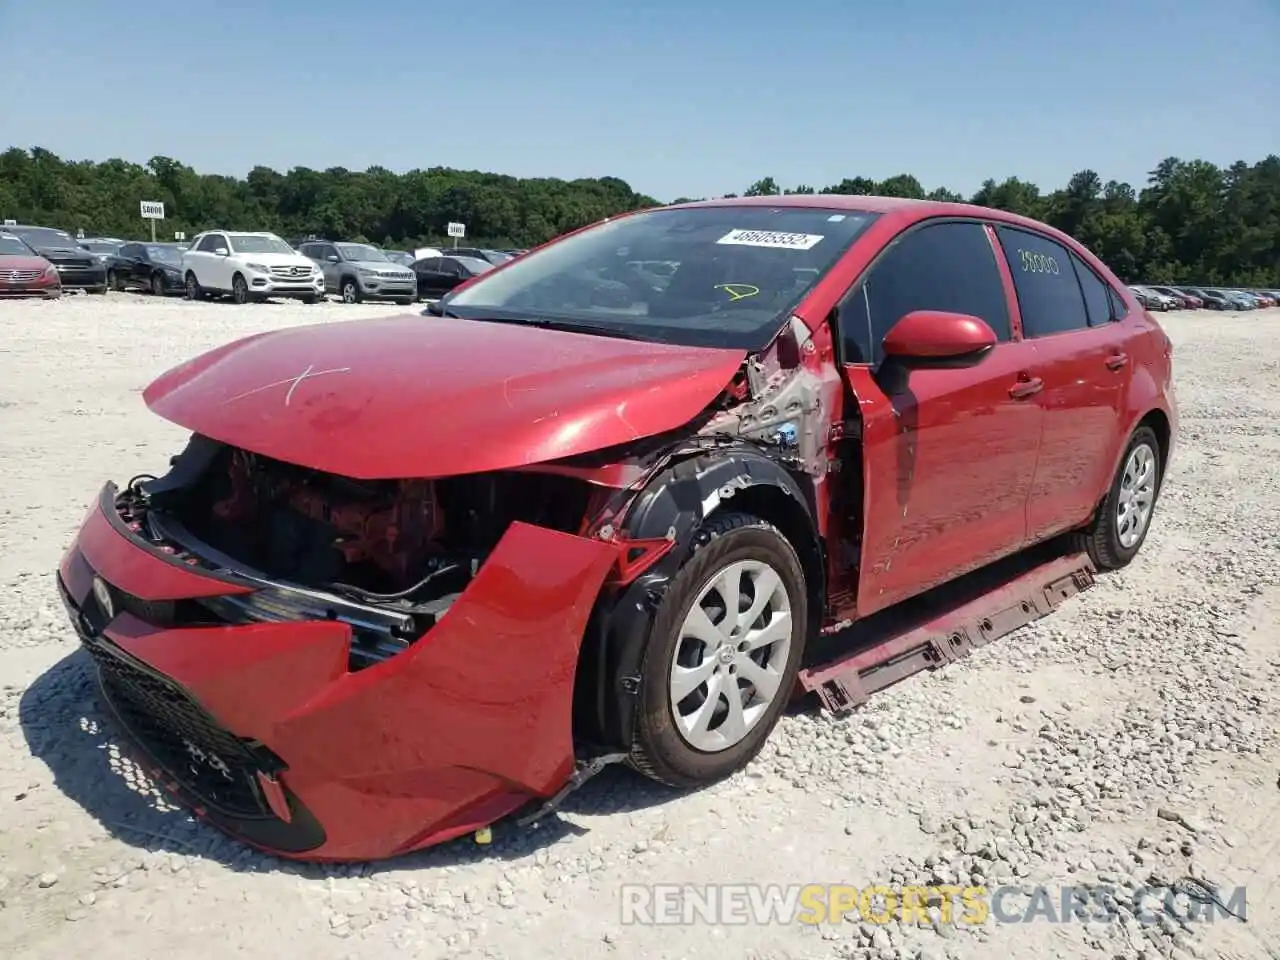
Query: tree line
point(1192, 222)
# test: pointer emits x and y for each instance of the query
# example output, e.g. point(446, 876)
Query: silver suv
point(360, 271)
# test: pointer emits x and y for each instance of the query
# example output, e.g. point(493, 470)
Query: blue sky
point(692, 97)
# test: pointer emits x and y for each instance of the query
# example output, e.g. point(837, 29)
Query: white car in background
point(249, 266)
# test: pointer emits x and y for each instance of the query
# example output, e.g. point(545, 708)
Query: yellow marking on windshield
point(738, 291)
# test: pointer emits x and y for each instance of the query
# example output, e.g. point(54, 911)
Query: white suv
point(249, 266)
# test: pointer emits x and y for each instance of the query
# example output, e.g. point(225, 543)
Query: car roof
point(866, 203)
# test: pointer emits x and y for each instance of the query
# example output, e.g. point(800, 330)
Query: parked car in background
point(1241, 299)
point(1232, 299)
point(438, 275)
point(495, 257)
point(78, 269)
point(249, 267)
point(360, 271)
point(1154, 300)
point(414, 577)
point(1210, 300)
point(402, 257)
point(1262, 298)
point(1274, 295)
point(24, 273)
point(1184, 300)
point(156, 267)
point(102, 247)
point(421, 253)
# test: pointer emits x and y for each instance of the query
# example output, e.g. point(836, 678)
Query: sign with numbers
point(152, 210)
point(457, 229)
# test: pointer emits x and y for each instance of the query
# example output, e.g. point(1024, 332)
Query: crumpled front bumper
point(264, 732)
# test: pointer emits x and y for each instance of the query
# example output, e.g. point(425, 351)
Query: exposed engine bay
point(388, 556)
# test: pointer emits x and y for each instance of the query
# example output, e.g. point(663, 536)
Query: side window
point(212, 242)
point(1119, 309)
point(206, 244)
point(942, 266)
point(1048, 291)
point(130, 251)
point(1097, 294)
point(308, 250)
point(450, 268)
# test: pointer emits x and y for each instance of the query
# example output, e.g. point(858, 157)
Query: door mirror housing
point(222, 252)
point(937, 340)
point(332, 258)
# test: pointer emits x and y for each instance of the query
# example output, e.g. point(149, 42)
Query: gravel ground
point(1128, 739)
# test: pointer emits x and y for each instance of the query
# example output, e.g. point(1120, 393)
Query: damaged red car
point(413, 576)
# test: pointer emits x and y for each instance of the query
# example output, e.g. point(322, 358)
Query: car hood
point(420, 396)
point(277, 259)
point(61, 249)
point(11, 261)
point(381, 265)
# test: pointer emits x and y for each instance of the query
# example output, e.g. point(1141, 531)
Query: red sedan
point(414, 575)
point(24, 273)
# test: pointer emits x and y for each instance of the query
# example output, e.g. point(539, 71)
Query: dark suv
point(78, 268)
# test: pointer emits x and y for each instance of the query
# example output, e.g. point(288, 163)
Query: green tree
point(1191, 222)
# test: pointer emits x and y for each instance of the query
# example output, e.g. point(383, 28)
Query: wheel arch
point(676, 504)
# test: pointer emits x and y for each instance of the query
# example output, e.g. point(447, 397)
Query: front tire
point(1118, 530)
point(239, 290)
point(157, 285)
point(351, 291)
point(722, 655)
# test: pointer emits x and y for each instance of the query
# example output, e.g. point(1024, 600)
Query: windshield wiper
point(568, 326)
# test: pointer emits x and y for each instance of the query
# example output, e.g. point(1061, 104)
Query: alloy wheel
point(730, 656)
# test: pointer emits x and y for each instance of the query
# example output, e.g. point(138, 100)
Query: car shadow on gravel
point(67, 727)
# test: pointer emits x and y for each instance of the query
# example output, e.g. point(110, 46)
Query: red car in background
point(413, 575)
point(24, 273)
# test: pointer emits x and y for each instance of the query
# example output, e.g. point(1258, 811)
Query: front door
point(1071, 316)
point(948, 463)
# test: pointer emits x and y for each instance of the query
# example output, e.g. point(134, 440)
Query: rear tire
point(695, 660)
point(1118, 530)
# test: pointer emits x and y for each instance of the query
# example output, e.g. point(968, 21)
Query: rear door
point(1076, 322)
point(948, 464)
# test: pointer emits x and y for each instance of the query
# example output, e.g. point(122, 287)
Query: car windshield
point(398, 256)
point(739, 271)
point(252, 243)
point(13, 247)
point(497, 256)
point(165, 254)
point(361, 251)
point(47, 237)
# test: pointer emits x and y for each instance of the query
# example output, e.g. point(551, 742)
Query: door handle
point(1117, 360)
point(1026, 388)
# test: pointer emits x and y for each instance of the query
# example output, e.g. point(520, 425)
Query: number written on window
point(1038, 262)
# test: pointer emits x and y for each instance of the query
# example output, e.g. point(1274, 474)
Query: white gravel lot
point(1131, 735)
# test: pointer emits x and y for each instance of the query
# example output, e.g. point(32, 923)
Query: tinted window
point(211, 243)
point(130, 251)
point(945, 266)
point(1048, 291)
point(1097, 294)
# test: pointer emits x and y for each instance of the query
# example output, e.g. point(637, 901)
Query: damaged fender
point(675, 505)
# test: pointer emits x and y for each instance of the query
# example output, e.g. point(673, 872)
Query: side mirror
point(332, 258)
point(936, 340)
point(222, 252)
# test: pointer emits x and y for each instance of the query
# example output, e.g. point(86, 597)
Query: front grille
point(21, 276)
point(210, 761)
point(65, 261)
point(291, 273)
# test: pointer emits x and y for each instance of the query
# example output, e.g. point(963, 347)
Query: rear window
point(1049, 293)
